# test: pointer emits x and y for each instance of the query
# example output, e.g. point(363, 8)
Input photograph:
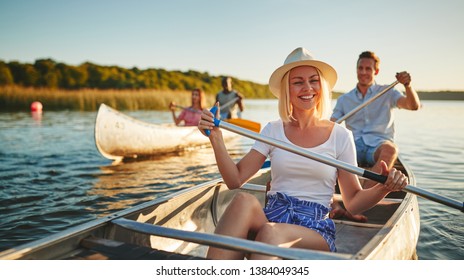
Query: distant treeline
point(46, 73)
point(441, 95)
point(429, 95)
point(63, 87)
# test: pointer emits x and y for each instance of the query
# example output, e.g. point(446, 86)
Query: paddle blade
point(247, 124)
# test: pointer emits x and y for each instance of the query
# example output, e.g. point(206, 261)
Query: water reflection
point(132, 182)
point(37, 117)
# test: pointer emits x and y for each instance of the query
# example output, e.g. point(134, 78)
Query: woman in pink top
point(190, 115)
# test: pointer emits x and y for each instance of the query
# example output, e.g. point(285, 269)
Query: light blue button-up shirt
point(373, 123)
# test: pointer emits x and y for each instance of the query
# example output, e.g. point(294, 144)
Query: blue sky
point(244, 39)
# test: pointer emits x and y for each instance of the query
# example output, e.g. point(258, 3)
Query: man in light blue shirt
point(374, 123)
point(373, 126)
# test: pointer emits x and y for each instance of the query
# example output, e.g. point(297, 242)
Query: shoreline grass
point(15, 98)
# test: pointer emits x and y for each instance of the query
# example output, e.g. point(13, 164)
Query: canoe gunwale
point(81, 231)
point(227, 242)
point(408, 209)
point(68, 240)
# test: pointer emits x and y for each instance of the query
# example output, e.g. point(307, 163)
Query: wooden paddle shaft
point(337, 164)
point(369, 101)
point(230, 102)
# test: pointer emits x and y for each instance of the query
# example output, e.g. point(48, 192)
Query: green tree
point(95, 75)
point(24, 74)
point(72, 77)
point(49, 76)
point(6, 78)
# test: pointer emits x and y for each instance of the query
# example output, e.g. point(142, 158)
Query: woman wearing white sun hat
point(297, 212)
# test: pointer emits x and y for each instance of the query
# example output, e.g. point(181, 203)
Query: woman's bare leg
point(243, 215)
point(289, 236)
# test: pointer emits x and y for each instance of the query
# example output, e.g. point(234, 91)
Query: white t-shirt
point(302, 177)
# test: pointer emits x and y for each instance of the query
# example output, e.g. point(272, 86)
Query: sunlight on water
point(432, 140)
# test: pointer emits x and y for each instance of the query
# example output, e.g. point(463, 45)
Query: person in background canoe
point(190, 115)
point(373, 126)
point(229, 100)
point(297, 212)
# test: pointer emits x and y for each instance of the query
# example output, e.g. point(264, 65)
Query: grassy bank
point(429, 95)
point(13, 98)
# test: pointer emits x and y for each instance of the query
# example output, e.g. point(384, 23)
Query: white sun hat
point(299, 57)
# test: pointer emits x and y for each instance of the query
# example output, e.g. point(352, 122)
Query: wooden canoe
point(181, 226)
point(119, 136)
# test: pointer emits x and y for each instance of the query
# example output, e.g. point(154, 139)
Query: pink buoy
point(36, 106)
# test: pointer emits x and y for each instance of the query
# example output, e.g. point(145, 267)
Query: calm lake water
point(52, 177)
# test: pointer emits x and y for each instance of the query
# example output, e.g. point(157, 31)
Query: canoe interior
point(198, 209)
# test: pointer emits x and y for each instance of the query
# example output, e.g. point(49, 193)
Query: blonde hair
point(323, 107)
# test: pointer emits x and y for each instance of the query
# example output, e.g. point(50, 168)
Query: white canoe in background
point(119, 136)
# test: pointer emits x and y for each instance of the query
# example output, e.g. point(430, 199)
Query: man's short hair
point(372, 55)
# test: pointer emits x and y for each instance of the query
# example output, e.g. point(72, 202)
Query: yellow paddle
point(247, 124)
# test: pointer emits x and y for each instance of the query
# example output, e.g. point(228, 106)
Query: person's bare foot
point(356, 218)
point(337, 213)
point(340, 213)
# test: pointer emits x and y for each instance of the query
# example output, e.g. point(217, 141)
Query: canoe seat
point(345, 232)
point(353, 236)
point(104, 249)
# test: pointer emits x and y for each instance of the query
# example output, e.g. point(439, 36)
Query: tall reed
point(15, 98)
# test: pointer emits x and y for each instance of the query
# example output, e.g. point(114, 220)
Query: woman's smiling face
point(304, 85)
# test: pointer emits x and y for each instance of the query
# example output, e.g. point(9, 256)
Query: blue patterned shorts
point(282, 208)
